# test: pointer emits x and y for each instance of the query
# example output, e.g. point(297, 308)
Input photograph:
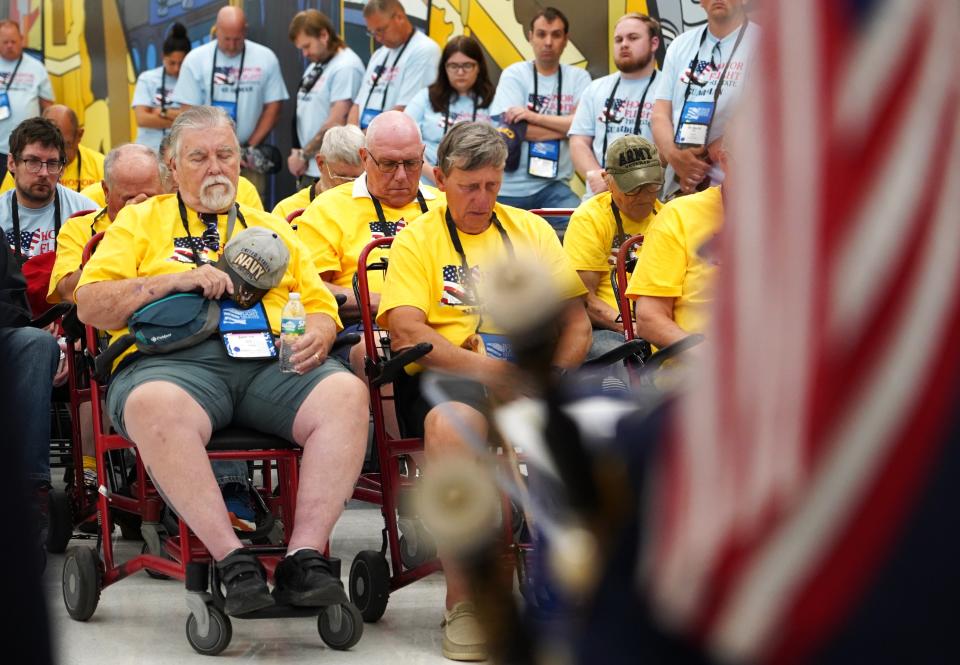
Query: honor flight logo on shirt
point(456, 290)
point(386, 229)
point(33, 243)
point(184, 249)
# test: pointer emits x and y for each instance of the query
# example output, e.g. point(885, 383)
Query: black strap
point(380, 71)
point(213, 73)
point(446, 114)
point(536, 88)
point(313, 189)
point(13, 74)
point(621, 236)
point(186, 227)
point(15, 216)
point(79, 169)
point(163, 89)
point(307, 84)
point(723, 75)
point(636, 124)
point(96, 218)
point(379, 207)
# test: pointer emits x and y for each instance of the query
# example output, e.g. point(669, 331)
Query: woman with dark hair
point(151, 98)
point(462, 92)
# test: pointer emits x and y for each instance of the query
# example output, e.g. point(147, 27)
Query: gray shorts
point(247, 393)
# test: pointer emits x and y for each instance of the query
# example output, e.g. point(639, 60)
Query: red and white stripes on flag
point(823, 400)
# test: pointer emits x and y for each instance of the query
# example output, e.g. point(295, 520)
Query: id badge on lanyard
point(543, 159)
point(246, 332)
point(229, 107)
point(694, 123)
point(5, 111)
point(367, 117)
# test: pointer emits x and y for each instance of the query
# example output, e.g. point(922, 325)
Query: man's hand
point(296, 163)
point(517, 114)
point(691, 167)
point(309, 351)
point(596, 181)
point(213, 282)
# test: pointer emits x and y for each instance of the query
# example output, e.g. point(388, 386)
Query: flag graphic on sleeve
point(801, 460)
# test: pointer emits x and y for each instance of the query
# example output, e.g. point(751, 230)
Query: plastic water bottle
point(293, 324)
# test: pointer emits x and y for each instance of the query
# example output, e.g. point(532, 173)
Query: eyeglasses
point(465, 67)
point(379, 32)
point(649, 190)
point(390, 166)
point(336, 176)
point(54, 166)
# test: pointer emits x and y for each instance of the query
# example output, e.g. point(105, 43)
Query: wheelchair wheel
point(82, 576)
point(340, 626)
point(417, 550)
point(157, 576)
point(217, 637)
point(370, 584)
point(60, 508)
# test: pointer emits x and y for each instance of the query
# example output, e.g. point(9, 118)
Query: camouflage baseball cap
point(633, 162)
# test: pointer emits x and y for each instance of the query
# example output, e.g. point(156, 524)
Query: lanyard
point(13, 74)
point(636, 124)
point(723, 75)
point(163, 90)
point(93, 224)
point(213, 73)
point(621, 236)
point(313, 190)
point(15, 215)
point(446, 115)
point(458, 247)
point(380, 71)
point(306, 86)
point(536, 97)
point(379, 208)
point(79, 168)
point(231, 220)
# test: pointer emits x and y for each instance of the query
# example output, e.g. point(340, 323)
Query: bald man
point(211, 76)
point(25, 82)
point(84, 165)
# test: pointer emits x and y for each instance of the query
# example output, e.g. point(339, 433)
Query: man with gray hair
point(430, 294)
point(170, 244)
point(338, 162)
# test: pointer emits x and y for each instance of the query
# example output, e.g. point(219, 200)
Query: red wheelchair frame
point(183, 556)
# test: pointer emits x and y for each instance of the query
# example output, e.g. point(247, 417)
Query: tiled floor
point(141, 620)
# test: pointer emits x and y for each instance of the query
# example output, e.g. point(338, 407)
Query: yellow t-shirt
point(343, 220)
point(148, 239)
point(589, 239)
point(247, 194)
point(672, 262)
point(426, 271)
point(73, 237)
point(86, 167)
point(94, 192)
point(294, 202)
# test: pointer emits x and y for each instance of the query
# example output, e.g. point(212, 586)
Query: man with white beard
point(169, 244)
point(619, 104)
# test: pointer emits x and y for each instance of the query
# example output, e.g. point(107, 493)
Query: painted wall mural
point(95, 49)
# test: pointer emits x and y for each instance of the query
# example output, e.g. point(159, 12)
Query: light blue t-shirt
point(516, 89)
point(398, 80)
point(29, 86)
point(672, 85)
point(434, 124)
point(153, 89)
point(37, 225)
point(260, 83)
point(321, 86)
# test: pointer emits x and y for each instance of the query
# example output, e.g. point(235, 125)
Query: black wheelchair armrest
point(349, 339)
point(388, 371)
point(632, 348)
point(672, 351)
point(51, 315)
point(341, 299)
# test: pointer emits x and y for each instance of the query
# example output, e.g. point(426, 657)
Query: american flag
point(796, 466)
point(385, 229)
point(454, 291)
point(225, 76)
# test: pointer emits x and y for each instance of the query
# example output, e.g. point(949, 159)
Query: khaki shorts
point(246, 393)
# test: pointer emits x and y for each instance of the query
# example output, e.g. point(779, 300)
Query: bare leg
point(442, 438)
point(173, 451)
point(331, 425)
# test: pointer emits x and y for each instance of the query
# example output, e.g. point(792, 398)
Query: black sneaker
point(306, 579)
point(246, 583)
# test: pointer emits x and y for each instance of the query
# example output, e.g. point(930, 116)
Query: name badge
point(5, 111)
point(543, 159)
point(497, 346)
point(229, 107)
point(367, 117)
point(246, 332)
point(694, 123)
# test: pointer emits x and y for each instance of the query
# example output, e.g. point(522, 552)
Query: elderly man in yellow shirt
point(430, 295)
point(633, 176)
point(168, 245)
